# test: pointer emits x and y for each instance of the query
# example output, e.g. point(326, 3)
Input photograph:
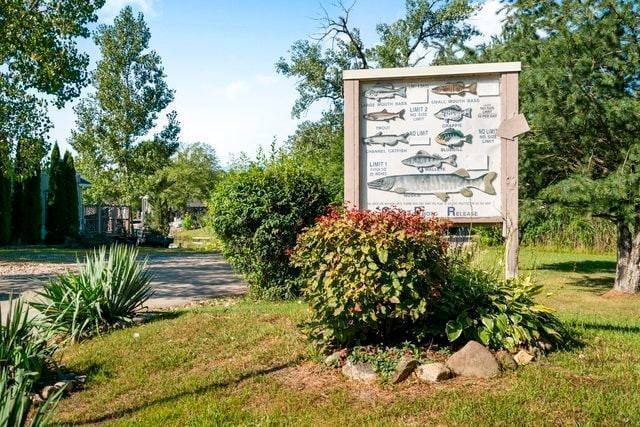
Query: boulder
point(433, 372)
point(361, 371)
point(333, 360)
point(473, 360)
point(406, 366)
point(506, 361)
point(523, 358)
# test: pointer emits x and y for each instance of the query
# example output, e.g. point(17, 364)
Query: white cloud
point(237, 89)
point(113, 7)
point(488, 21)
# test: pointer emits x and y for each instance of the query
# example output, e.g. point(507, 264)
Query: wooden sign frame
point(507, 73)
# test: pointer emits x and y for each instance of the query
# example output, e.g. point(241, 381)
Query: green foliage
point(5, 208)
point(187, 221)
point(475, 305)
point(384, 360)
point(15, 403)
point(371, 276)
point(55, 202)
point(23, 345)
point(257, 214)
point(39, 65)
point(26, 213)
point(105, 290)
point(130, 91)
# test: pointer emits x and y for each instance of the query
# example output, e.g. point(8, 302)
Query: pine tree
point(27, 209)
point(70, 196)
point(54, 207)
point(5, 207)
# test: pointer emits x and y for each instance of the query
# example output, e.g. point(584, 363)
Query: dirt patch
point(33, 268)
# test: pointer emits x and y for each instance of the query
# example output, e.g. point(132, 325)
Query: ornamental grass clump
point(106, 290)
point(371, 276)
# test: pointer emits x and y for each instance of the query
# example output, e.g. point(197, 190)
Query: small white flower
point(136, 335)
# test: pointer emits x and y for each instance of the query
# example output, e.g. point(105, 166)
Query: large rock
point(361, 371)
point(506, 361)
point(333, 360)
point(473, 360)
point(433, 372)
point(405, 367)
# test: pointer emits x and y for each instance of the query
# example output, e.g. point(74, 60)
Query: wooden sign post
point(440, 139)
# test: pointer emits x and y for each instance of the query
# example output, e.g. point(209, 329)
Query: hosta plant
point(370, 276)
point(109, 287)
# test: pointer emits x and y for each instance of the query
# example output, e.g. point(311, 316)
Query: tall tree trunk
point(628, 265)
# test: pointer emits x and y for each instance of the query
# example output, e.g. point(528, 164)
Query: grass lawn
point(247, 363)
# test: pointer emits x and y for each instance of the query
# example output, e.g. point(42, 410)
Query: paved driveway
point(178, 278)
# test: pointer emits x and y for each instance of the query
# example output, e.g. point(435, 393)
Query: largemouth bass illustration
point(438, 185)
point(455, 88)
point(379, 92)
point(384, 116)
point(453, 113)
point(383, 140)
point(423, 160)
point(453, 138)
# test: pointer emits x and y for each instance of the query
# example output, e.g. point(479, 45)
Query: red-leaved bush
point(370, 276)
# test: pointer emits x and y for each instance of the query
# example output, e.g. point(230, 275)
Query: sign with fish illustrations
point(427, 139)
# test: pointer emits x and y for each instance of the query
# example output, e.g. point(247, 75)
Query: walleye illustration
point(453, 138)
point(455, 88)
point(383, 140)
point(384, 116)
point(423, 160)
point(379, 92)
point(438, 185)
point(453, 113)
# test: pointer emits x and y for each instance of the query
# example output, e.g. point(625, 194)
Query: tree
point(579, 91)
point(70, 196)
point(5, 208)
point(55, 203)
point(38, 56)
point(130, 91)
point(26, 228)
point(429, 30)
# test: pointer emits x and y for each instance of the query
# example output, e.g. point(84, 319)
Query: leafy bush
point(371, 276)
point(187, 221)
point(257, 214)
point(104, 291)
point(15, 402)
point(22, 344)
point(496, 312)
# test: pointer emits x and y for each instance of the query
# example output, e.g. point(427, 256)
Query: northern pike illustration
point(384, 116)
point(383, 140)
point(455, 88)
point(439, 185)
point(423, 160)
point(379, 92)
point(453, 138)
point(453, 113)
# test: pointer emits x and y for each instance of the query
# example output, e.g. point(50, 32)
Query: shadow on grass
point(581, 266)
point(203, 389)
point(598, 285)
point(631, 329)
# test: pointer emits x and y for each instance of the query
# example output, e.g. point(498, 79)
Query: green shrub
point(105, 290)
point(257, 214)
point(22, 344)
point(476, 305)
point(15, 403)
point(371, 276)
point(187, 221)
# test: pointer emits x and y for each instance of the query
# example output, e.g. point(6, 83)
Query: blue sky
point(219, 56)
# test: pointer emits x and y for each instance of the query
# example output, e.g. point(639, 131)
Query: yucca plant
point(15, 402)
point(107, 288)
point(23, 345)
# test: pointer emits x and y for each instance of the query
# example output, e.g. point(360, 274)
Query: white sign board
point(427, 139)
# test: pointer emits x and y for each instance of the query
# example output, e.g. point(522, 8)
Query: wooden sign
point(439, 139)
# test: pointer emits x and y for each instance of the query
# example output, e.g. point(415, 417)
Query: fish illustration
point(384, 116)
point(439, 185)
point(379, 92)
point(383, 140)
point(453, 113)
point(423, 160)
point(455, 88)
point(453, 138)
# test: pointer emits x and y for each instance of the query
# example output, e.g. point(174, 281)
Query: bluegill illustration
point(383, 140)
point(384, 116)
point(455, 88)
point(439, 185)
point(423, 160)
point(453, 113)
point(379, 92)
point(453, 138)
